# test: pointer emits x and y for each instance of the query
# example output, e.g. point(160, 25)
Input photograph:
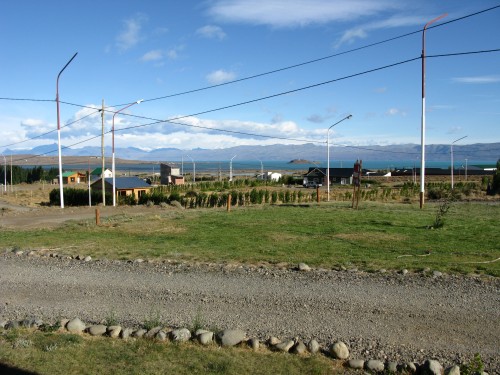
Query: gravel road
point(379, 316)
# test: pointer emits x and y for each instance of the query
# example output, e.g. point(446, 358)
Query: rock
point(284, 346)
point(273, 341)
point(313, 346)
point(304, 267)
point(126, 333)
point(436, 274)
point(19, 252)
point(97, 330)
point(139, 260)
point(27, 323)
point(254, 343)
point(88, 258)
point(453, 370)
point(152, 332)
point(161, 335)
point(199, 331)
point(12, 324)
point(432, 367)
point(139, 333)
point(382, 270)
point(339, 350)
point(205, 338)
point(299, 348)
point(75, 326)
point(409, 367)
point(356, 363)
point(63, 322)
point(404, 271)
point(3, 323)
point(391, 367)
point(180, 335)
point(114, 331)
point(374, 365)
point(231, 337)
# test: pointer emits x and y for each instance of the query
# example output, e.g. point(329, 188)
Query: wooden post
point(228, 202)
point(97, 217)
point(317, 194)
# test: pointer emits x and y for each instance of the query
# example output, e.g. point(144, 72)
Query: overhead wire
point(173, 120)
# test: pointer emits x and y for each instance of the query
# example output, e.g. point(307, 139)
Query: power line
point(51, 131)
point(290, 66)
point(158, 121)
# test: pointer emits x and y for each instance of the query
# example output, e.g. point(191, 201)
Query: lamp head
point(139, 101)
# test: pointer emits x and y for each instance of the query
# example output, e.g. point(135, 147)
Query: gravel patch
point(384, 316)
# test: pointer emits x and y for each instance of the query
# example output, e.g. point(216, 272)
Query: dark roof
point(126, 182)
point(334, 172)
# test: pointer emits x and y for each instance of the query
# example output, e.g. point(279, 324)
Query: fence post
point(317, 194)
point(97, 217)
point(228, 202)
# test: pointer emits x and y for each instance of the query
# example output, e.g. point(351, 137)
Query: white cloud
point(477, 79)
point(211, 32)
point(220, 76)
point(395, 112)
point(361, 32)
point(155, 55)
point(286, 13)
point(130, 35)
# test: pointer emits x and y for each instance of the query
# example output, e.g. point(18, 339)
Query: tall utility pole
point(102, 157)
point(61, 187)
point(422, 160)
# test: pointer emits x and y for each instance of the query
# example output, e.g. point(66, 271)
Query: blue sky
point(130, 50)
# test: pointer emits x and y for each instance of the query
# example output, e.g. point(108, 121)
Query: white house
point(270, 176)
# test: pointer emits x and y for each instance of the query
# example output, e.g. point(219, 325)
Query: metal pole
point(451, 151)
point(194, 169)
point(422, 161)
point(61, 188)
point(88, 178)
point(113, 148)
point(328, 156)
point(5, 173)
point(231, 169)
point(103, 183)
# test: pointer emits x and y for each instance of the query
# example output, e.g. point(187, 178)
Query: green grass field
point(55, 353)
point(377, 235)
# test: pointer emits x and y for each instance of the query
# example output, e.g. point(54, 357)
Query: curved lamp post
point(231, 169)
point(451, 152)
point(61, 187)
point(328, 156)
point(113, 147)
point(422, 161)
point(194, 169)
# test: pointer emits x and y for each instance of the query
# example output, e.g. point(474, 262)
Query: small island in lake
point(300, 161)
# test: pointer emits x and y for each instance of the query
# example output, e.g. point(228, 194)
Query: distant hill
point(280, 152)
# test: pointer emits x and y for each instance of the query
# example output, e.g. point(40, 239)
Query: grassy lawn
point(54, 353)
point(377, 235)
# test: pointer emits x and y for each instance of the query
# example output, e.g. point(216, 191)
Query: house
point(71, 178)
point(342, 176)
point(270, 176)
point(96, 173)
point(124, 186)
point(170, 175)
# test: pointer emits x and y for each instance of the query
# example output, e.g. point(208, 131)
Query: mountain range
point(279, 152)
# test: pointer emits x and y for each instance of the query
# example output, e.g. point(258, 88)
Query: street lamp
point(5, 173)
point(451, 151)
point(328, 156)
point(194, 168)
point(422, 161)
point(113, 147)
point(61, 187)
point(231, 169)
